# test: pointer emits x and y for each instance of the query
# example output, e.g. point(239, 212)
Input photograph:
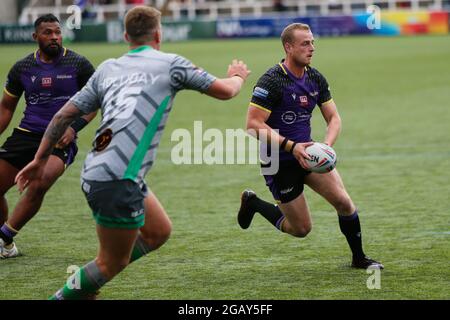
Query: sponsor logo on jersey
point(64, 76)
point(34, 98)
point(103, 140)
point(293, 96)
point(46, 82)
point(260, 93)
point(289, 117)
point(33, 78)
point(304, 101)
point(313, 94)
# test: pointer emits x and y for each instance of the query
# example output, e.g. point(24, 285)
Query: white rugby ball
point(323, 158)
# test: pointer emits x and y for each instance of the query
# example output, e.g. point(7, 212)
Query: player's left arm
point(56, 128)
point(328, 109)
point(333, 120)
point(85, 70)
point(76, 126)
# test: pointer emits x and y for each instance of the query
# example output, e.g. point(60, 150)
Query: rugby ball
point(323, 158)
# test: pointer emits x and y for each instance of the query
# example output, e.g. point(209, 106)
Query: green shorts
point(116, 204)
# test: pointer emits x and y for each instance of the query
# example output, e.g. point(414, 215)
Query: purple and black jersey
point(47, 86)
point(290, 101)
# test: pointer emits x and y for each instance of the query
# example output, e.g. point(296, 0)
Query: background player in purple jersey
point(283, 99)
point(49, 77)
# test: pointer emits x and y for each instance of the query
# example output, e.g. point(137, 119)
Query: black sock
point(7, 234)
point(351, 229)
point(268, 210)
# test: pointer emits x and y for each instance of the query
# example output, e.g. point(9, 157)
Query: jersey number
point(123, 104)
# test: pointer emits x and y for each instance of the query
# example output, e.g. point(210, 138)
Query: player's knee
point(344, 205)
point(39, 188)
point(157, 237)
point(165, 232)
point(302, 231)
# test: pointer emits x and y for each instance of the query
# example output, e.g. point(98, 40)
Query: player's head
point(47, 33)
point(143, 25)
point(298, 43)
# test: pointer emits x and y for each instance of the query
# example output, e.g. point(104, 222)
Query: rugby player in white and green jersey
point(135, 94)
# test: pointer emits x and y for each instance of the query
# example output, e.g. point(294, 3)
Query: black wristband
point(283, 144)
point(79, 124)
point(293, 146)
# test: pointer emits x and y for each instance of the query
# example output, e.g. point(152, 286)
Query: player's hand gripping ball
point(323, 158)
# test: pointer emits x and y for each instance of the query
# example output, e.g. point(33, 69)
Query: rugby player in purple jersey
point(282, 104)
point(49, 77)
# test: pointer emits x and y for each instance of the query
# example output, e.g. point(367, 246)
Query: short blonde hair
point(141, 23)
point(287, 36)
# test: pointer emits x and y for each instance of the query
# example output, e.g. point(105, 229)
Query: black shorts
point(116, 204)
point(19, 149)
point(288, 183)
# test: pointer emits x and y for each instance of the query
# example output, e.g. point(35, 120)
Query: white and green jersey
point(135, 93)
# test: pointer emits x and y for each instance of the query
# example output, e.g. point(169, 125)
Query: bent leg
point(156, 230)
point(297, 220)
point(8, 172)
point(330, 186)
point(113, 256)
point(115, 249)
point(30, 203)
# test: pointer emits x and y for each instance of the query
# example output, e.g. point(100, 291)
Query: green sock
point(140, 249)
point(86, 281)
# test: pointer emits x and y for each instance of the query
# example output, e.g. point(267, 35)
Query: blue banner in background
point(272, 27)
point(389, 23)
point(255, 28)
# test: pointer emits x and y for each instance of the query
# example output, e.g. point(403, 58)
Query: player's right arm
point(227, 88)
point(11, 95)
point(185, 75)
point(257, 126)
point(7, 107)
point(267, 95)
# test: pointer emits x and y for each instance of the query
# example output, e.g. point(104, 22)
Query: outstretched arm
point(61, 120)
point(227, 88)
